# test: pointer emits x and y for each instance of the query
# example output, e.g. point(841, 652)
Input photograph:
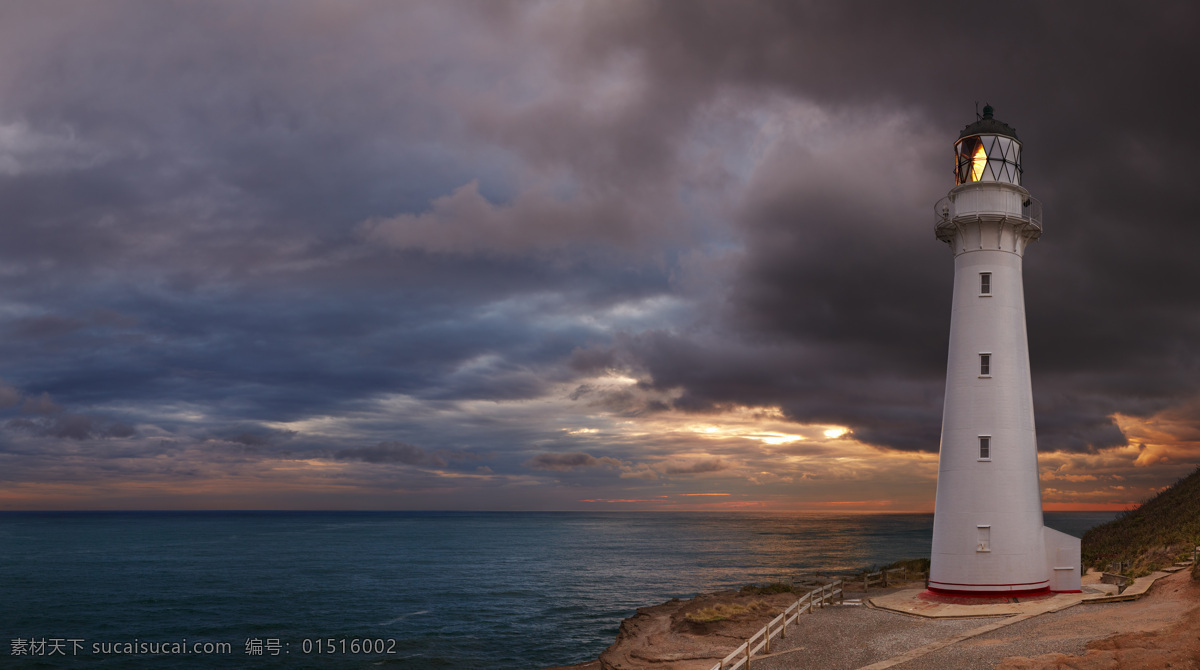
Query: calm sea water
point(436, 589)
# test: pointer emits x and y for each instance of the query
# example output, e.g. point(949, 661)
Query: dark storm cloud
point(261, 440)
point(391, 452)
point(569, 461)
point(73, 427)
point(852, 293)
point(237, 221)
point(697, 467)
point(41, 404)
point(9, 396)
point(44, 327)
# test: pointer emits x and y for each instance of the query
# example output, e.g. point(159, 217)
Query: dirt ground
point(1162, 630)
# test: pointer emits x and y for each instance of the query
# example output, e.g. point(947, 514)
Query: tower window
point(985, 283)
point(985, 365)
point(985, 447)
point(983, 540)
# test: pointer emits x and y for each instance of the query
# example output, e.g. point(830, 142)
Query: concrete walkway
point(908, 602)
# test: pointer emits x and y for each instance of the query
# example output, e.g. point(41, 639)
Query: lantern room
point(988, 150)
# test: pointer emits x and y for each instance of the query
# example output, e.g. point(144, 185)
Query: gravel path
point(1066, 632)
point(847, 637)
point(1023, 638)
point(853, 637)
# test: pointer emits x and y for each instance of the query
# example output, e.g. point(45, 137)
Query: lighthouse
point(988, 535)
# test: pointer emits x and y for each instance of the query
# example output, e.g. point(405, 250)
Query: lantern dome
point(988, 150)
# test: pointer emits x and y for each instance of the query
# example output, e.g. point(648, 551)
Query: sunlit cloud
point(570, 255)
point(1161, 449)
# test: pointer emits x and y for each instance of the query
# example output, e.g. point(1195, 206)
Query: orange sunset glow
point(740, 458)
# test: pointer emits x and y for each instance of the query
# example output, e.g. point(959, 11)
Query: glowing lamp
point(988, 150)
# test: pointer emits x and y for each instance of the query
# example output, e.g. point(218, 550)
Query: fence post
point(768, 634)
point(866, 580)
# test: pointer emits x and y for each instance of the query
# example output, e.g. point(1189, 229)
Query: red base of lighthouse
point(951, 597)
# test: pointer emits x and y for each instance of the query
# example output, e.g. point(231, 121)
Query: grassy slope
point(1156, 534)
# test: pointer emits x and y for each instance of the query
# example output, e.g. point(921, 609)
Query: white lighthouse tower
point(988, 537)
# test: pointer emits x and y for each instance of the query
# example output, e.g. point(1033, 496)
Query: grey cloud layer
point(224, 218)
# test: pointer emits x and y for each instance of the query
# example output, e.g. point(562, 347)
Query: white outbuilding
point(988, 534)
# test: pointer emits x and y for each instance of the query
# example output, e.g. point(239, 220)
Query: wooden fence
point(777, 627)
point(813, 600)
point(882, 577)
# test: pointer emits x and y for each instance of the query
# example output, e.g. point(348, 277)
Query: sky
point(574, 255)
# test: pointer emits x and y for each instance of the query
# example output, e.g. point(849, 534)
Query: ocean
point(416, 590)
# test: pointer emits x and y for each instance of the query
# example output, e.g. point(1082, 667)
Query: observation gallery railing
point(1010, 204)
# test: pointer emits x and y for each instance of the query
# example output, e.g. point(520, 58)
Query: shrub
point(1151, 535)
point(724, 611)
point(768, 589)
point(912, 565)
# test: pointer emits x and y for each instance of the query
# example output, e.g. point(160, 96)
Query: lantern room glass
point(987, 158)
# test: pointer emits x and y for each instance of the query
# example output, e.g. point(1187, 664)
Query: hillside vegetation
point(1161, 531)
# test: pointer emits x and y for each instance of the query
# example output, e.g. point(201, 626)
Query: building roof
point(989, 126)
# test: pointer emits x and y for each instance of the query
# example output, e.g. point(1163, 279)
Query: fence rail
point(809, 602)
point(777, 627)
point(882, 577)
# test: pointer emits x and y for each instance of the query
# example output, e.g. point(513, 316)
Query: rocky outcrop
point(665, 637)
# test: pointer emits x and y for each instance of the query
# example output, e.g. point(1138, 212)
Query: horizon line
point(824, 511)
